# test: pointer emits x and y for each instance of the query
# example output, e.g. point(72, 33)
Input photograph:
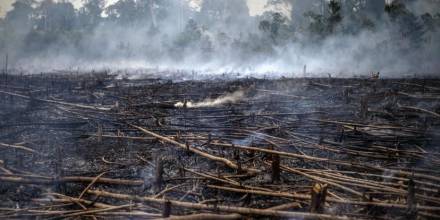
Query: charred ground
point(95, 146)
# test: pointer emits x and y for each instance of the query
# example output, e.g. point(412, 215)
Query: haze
point(294, 37)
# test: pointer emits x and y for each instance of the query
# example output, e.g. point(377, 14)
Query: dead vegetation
point(94, 146)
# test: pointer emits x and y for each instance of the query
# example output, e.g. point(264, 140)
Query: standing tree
point(191, 35)
point(227, 15)
point(90, 13)
point(276, 28)
point(139, 12)
point(20, 17)
point(410, 28)
point(55, 16)
point(123, 12)
point(334, 15)
point(300, 7)
point(324, 25)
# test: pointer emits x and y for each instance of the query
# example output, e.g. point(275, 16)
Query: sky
point(5, 5)
point(256, 6)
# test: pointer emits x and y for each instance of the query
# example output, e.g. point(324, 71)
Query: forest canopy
point(336, 35)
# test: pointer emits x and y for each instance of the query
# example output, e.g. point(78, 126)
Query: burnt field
point(98, 147)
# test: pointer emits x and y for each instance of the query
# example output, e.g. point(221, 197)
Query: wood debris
point(95, 146)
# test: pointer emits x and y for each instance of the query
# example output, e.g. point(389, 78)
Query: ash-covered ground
point(99, 146)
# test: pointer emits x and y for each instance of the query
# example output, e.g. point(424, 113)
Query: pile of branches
point(96, 146)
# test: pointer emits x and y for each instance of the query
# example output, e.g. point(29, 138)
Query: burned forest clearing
point(97, 146)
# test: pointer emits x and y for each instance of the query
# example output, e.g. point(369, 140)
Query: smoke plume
point(225, 99)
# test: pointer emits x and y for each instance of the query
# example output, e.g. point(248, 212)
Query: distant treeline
point(159, 29)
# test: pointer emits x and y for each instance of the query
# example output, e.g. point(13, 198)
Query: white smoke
point(227, 46)
point(228, 98)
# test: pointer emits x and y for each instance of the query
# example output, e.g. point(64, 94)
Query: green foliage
point(39, 25)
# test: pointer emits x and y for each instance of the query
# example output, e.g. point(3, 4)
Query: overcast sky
point(255, 6)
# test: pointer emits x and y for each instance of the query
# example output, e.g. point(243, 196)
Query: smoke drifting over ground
point(225, 99)
point(344, 38)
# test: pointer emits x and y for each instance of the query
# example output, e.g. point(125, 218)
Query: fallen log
point(58, 102)
point(53, 180)
point(305, 197)
point(194, 150)
point(27, 149)
point(204, 216)
point(220, 208)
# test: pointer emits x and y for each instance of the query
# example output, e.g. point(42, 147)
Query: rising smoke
point(224, 99)
point(221, 37)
